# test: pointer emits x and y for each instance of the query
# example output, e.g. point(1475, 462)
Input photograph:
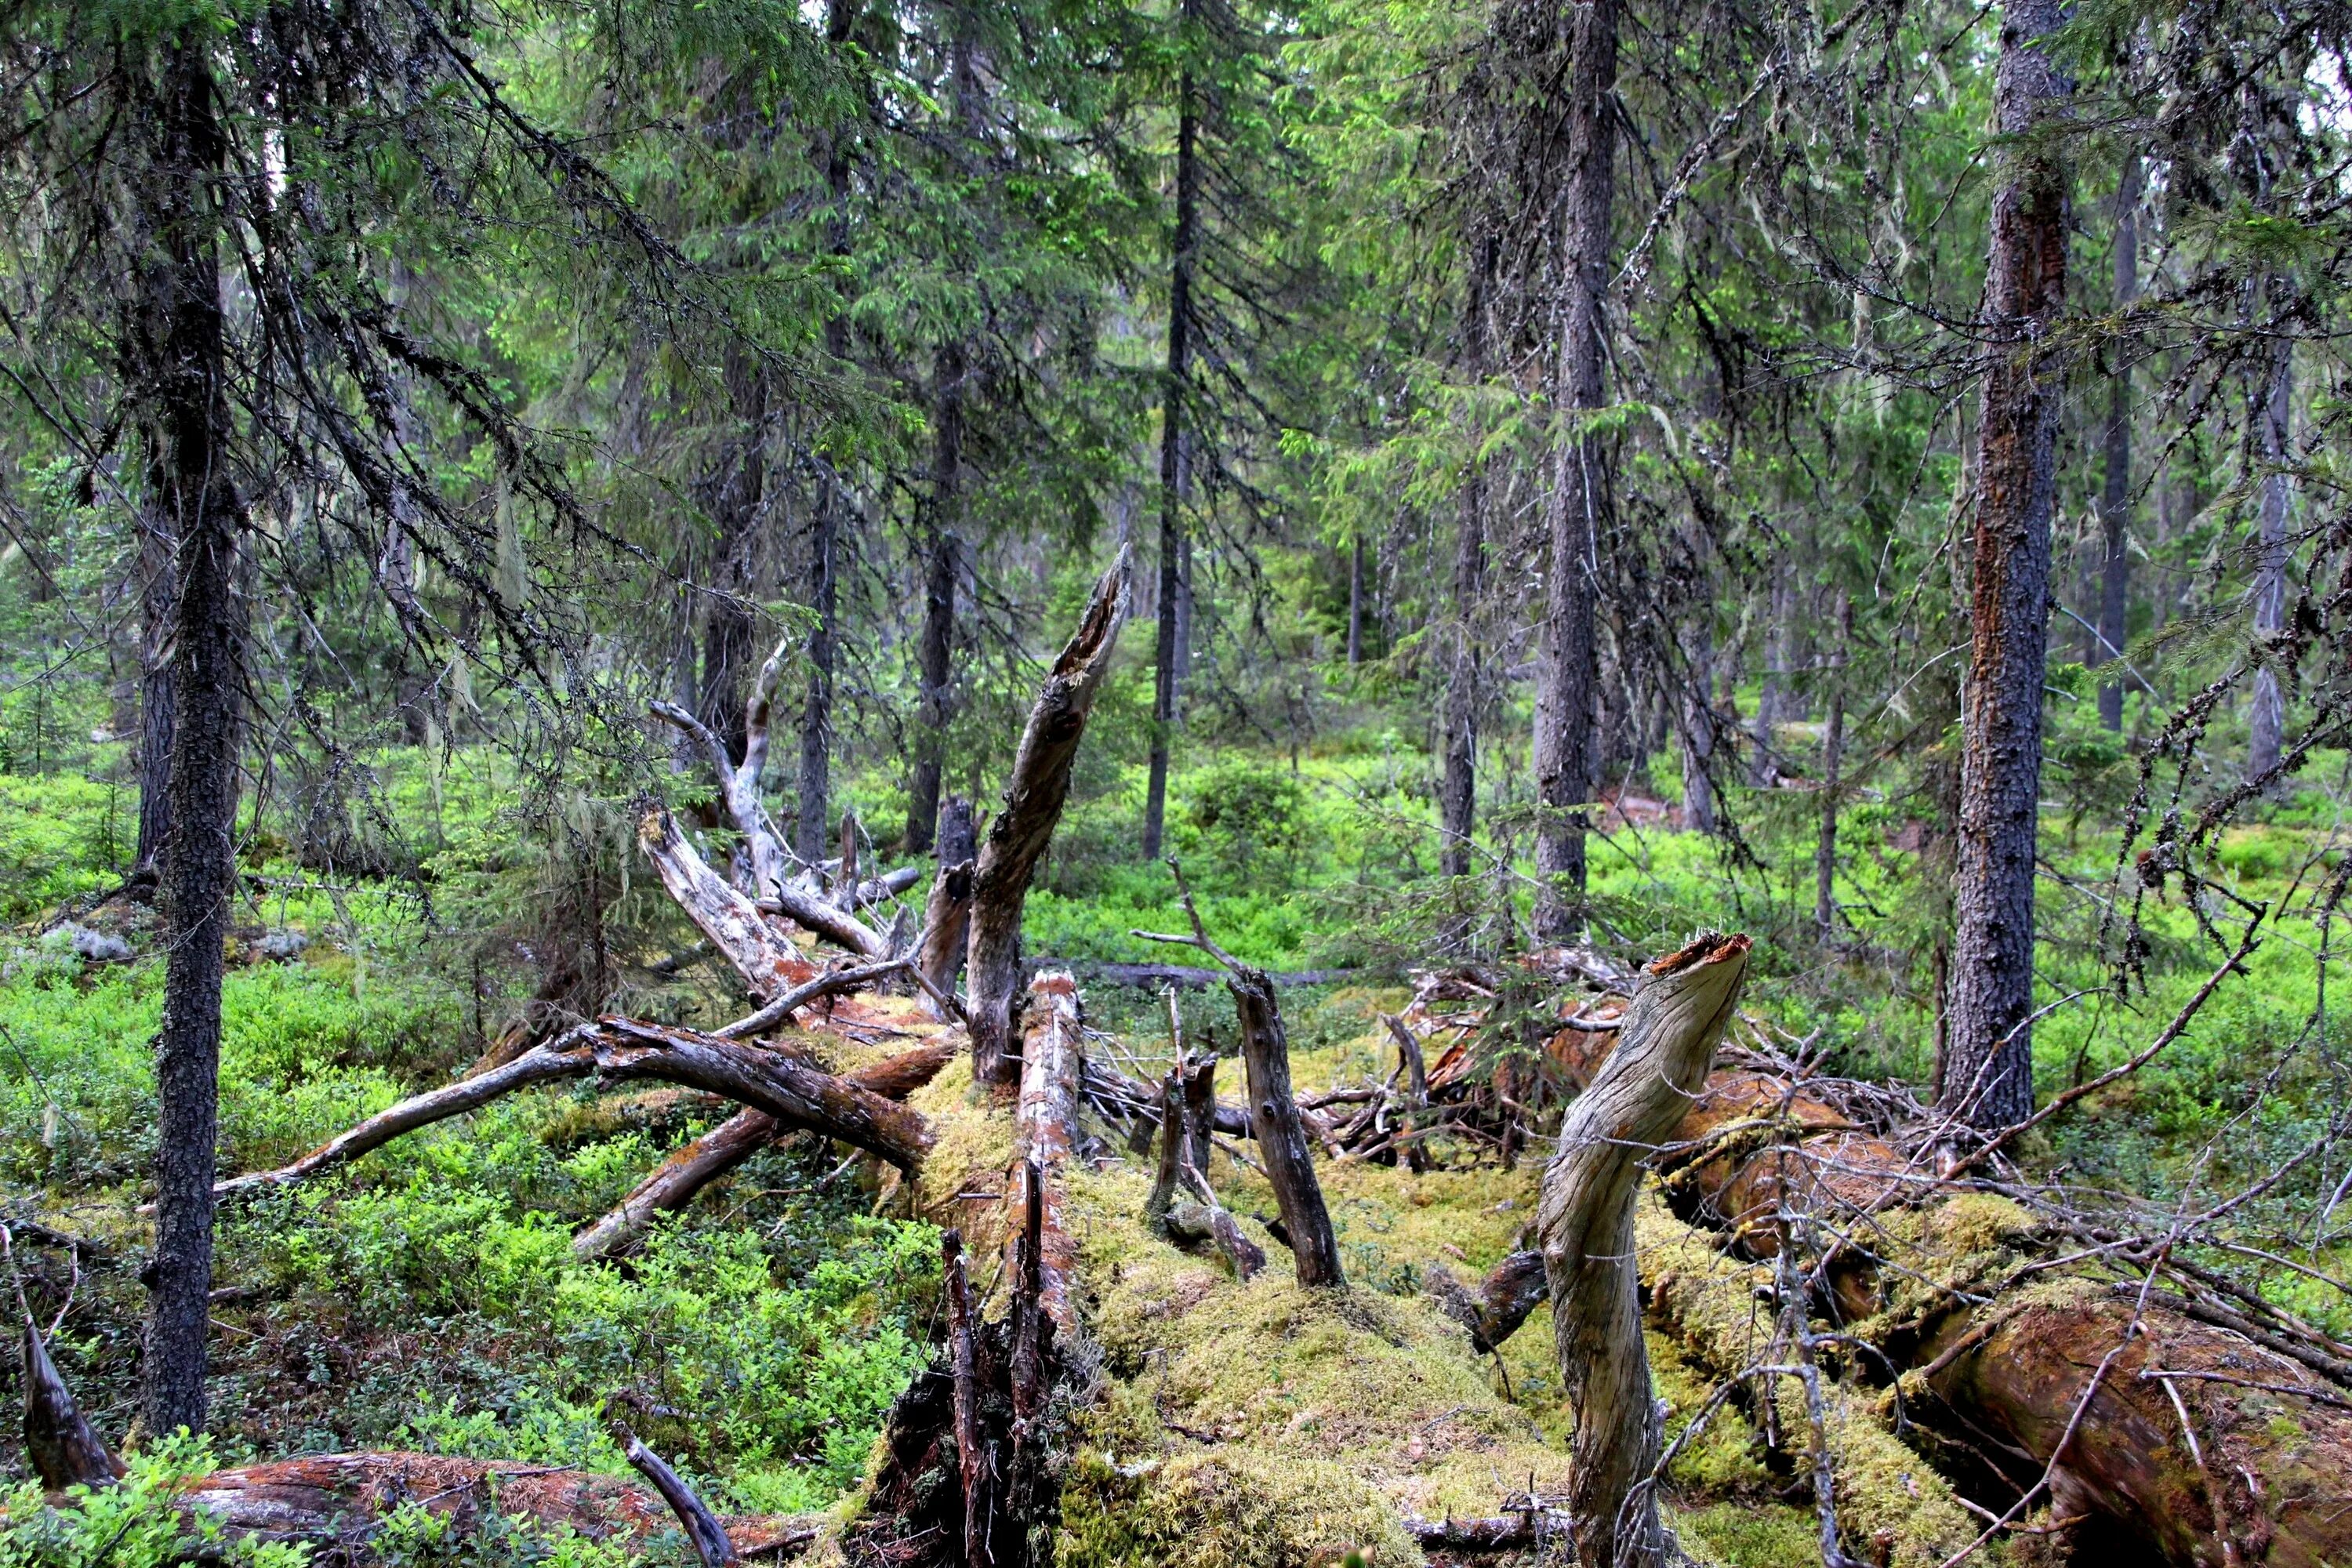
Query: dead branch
point(833, 983)
point(702, 1527)
point(768, 962)
point(947, 925)
point(1023, 826)
point(65, 1451)
point(1494, 1308)
point(1586, 1222)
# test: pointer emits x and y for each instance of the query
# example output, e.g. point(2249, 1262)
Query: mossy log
point(1023, 826)
point(1586, 1223)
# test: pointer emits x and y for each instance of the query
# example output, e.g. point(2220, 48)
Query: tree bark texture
point(1666, 1046)
point(1024, 825)
point(1989, 1061)
point(2114, 494)
point(1568, 678)
point(738, 505)
point(1457, 789)
point(190, 434)
point(768, 962)
point(815, 782)
point(65, 1450)
point(1045, 1127)
point(1281, 1135)
point(1698, 731)
point(2266, 716)
point(947, 926)
point(935, 650)
point(709, 1537)
point(157, 705)
point(1183, 258)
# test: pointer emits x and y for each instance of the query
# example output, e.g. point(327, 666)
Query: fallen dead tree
point(2060, 1365)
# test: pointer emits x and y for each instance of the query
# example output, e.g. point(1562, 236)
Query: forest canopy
point(969, 782)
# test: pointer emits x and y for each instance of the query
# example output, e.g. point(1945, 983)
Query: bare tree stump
point(59, 1440)
point(1281, 1135)
point(963, 1358)
point(1666, 1046)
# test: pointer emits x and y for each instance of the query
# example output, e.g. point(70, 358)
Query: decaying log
point(1023, 826)
point(65, 1450)
point(761, 955)
point(1494, 1308)
point(1281, 1135)
point(1493, 1532)
point(1208, 1221)
point(672, 1185)
point(947, 925)
point(964, 1366)
point(1586, 1222)
point(838, 926)
point(795, 1093)
point(791, 1091)
point(709, 1537)
point(336, 1498)
point(1044, 1131)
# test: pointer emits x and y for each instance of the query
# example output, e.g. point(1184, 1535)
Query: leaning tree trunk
point(1169, 647)
point(1989, 1060)
point(1281, 1135)
point(191, 432)
point(1024, 825)
point(1665, 1046)
point(1569, 679)
point(2114, 495)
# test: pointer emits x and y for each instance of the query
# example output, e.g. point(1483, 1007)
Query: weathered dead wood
point(563, 1058)
point(838, 926)
point(889, 885)
point(1175, 1132)
point(1203, 1115)
point(674, 1184)
point(1416, 1092)
point(791, 1091)
point(1023, 826)
point(1184, 976)
point(65, 1451)
point(761, 954)
point(1281, 1135)
point(1586, 1222)
point(833, 983)
point(1492, 1309)
point(709, 1537)
point(947, 926)
point(1044, 1131)
point(964, 1362)
point(1493, 1532)
point(328, 1499)
point(1209, 1221)
point(795, 1093)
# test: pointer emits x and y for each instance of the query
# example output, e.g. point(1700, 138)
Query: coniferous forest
point(1175, 783)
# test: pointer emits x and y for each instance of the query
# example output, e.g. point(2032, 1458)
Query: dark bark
point(1457, 789)
point(1200, 1112)
point(1281, 1134)
point(157, 705)
point(1665, 1046)
point(1183, 258)
point(1356, 603)
point(1989, 1067)
point(708, 1536)
point(1175, 1132)
point(1698, 730)
point(1024, 825)
point(946, 927)
point(963, 1363)
point(2115, 495)
point(738, 507)
point(59, 1440)
point(815, 782)
point(936, 646)
point(1415, 1068)
point(1567, 695)
point(190, 460)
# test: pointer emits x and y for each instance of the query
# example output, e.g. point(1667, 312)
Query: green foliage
point(135, 1523)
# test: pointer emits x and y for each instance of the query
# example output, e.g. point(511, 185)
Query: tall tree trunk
point(739, 507)
point(813, 788)
point(157, 702)
point(2115, 495)
point(1567, 691)
point(1457, 790)
point(1832, 759)
point(189, 459)
point(2267, 720)
point(1183, 257)
point(936, 648)
point(1989, 1066)
point(1356, 603)
point(1698, 730)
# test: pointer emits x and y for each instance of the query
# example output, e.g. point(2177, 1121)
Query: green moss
point(1746, 1535)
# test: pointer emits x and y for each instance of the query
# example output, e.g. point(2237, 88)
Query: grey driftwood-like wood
point(1281, 1133)
point(709, 1537)
point(1024, 825)
point(794, 1092)
point(963, 1365)
point(1044, 1131)
point(946, 927)
point(1665, 1049)
point(65, 1449)
point(762, 955)
point(833, 983)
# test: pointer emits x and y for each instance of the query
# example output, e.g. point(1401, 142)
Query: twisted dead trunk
point(1665, 1046)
